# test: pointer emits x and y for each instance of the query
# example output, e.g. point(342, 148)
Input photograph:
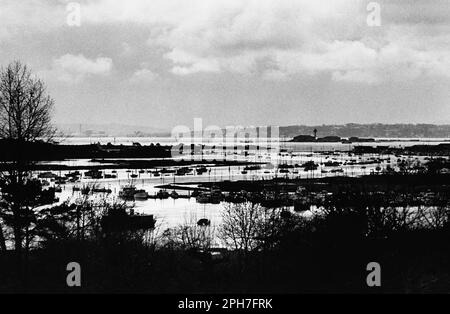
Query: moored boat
point(162, 194)
point(141, 195)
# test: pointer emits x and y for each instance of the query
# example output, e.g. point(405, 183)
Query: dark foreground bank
point(283, 253)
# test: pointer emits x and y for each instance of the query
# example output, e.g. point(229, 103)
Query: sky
point(162, 63)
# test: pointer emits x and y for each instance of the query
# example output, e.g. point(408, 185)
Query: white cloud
point(299, 37)
point(74, 68)
point(272, 38)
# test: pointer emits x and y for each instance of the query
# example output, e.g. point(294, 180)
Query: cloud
point(74, 68)
point(143, 76)
point(21, 17)
point(276, 39)
point(308, 37)
point(394, 62)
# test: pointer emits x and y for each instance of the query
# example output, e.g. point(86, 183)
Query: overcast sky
point(163, 62)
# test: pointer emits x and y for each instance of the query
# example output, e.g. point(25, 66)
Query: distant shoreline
point(348, 140)
point(367, 130)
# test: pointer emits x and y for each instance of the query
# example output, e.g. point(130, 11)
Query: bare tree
point(25, 106)
point(248, 226)
point(190, 235)
point(25, 116)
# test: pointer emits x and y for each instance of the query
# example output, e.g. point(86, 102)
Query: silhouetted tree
point(189, 235)
point(25, 117)
point(25, 106)
point(249, 226)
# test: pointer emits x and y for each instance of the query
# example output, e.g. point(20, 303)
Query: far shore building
point(329, 139)
point(304, 138)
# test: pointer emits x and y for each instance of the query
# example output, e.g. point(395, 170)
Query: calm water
point(305, 147)
point(172, 212)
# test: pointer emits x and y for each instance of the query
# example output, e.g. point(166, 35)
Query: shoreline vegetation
point(108, 156)
point(271, 250)
point(47, 151)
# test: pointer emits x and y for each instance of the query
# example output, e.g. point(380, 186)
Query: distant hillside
point(345, 130)
point(371, 130)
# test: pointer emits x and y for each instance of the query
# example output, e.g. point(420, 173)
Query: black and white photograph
point(236, 150)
